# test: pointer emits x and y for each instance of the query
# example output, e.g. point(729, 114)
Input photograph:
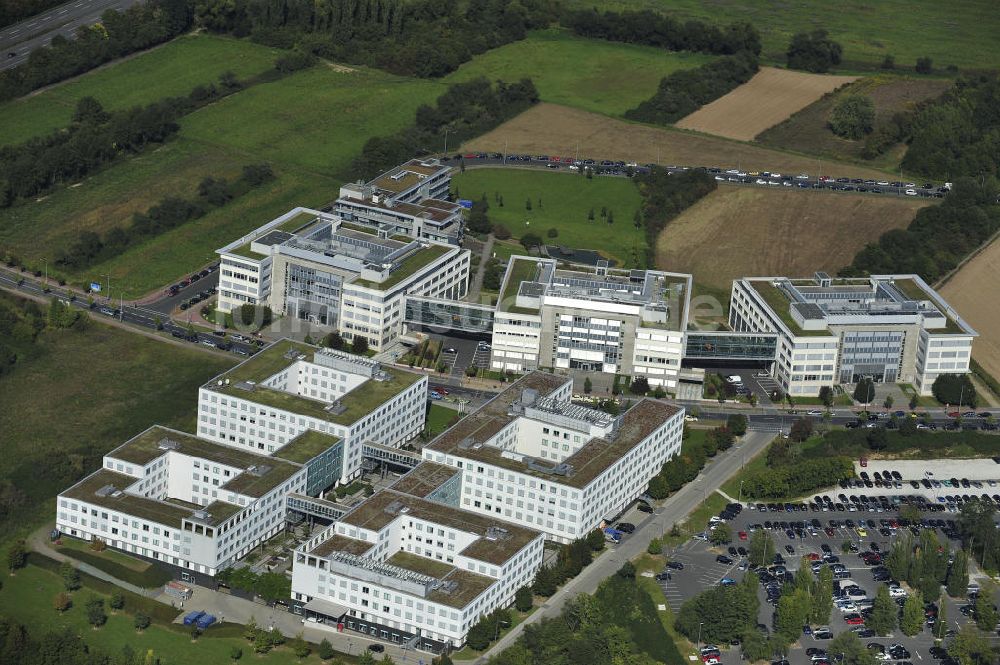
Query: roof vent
point(258, 469)
point(168, 444)
point(448, 587)
point(529, 396)
point(107, 490)
point(397, 507)
point(336, 408)
point(497, 533)
point(248, 386)
point(201, 515)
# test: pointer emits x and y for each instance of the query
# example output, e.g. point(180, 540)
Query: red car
point(854, 620)
point(471, 155)
point(953, 414)
point(743, 535)
point(812, 556)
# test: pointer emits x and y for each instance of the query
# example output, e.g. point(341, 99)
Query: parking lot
point(815, 530)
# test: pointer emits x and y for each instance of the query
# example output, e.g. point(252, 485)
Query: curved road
point(18, 40)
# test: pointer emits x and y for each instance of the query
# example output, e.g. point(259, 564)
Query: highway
point(18, 40)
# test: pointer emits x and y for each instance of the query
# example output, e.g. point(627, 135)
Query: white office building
point(531, 457)
point(180, 500)
point(319, 268)
point(599, 320)
point(290, 388)
point(891, 328)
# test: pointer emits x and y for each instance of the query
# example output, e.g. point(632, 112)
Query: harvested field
point(736, 232)
point(965, 292)
point(771, 96)
point(807, 131)
point(558, 130)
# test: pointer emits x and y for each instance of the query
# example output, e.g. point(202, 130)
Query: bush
point(798, 479)
point(737, 424)
point(955, 389)
point(552, 233)
point(95, 612)
point(150, 578)
point(853, 116)
point(639, 386)
point(141, 621)
point(531, 240)
point(524, 599)
point(501, 232)
point(62, 602)
point(924, 66)
point(813, 51)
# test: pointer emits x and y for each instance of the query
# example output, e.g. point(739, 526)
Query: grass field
point(771, 96)
point(91, 390)
point(561, 201)
point(807, 130)
point(964, 35)
point(31, 592)
point(965, 290)
point(591, 74)
point(317, 119)
point(440, 418)
point(172, 69)
point(735, 232)
point(555, 130)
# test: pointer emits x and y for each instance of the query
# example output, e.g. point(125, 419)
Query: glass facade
point(730, 346)
point(876, 354)
point(312, 295)
point(449, 315)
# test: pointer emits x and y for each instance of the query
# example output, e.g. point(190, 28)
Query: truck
point(177, 590)
point(614, 535)
point(205, 621)
point(192, 617)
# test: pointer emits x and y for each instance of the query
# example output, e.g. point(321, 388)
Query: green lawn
point(317, 119)
point(566, 199)
point(964, 35)
point(173, 69)
point(440, 418)
point(590, 74)
point(31, 592)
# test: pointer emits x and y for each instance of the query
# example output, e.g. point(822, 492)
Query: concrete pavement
point(674, 510)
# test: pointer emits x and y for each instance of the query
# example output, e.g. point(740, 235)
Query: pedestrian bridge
point(728, 345)
point(448, 315)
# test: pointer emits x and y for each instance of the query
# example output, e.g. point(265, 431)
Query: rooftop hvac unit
point(107, 490)
point(168, 444)
point(497, 533)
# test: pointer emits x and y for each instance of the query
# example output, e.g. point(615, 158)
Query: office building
point(628, 322)
point(890, 328)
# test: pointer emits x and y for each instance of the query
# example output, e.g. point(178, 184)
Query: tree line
point(119, 33)
point(424, 38)
point(938, 238)
point(465, 110)
point(169, 213)
point(663, 31)
point(685, 467)
point(666, 195)
point(687, 90)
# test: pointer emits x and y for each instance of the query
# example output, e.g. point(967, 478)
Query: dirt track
point(771, 96)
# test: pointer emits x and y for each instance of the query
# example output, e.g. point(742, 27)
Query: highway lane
point(18, 40)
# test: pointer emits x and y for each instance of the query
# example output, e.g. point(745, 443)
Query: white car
point(734, 378)
point(847, 607)
point(691, 419)
point(814, 412)
point(897, 592)
point(761, 181)
point(911, 192)
point(802, 176)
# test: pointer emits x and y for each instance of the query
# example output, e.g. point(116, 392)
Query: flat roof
point(470, 584)
point(297, 222)
point(424, 479)
point(356, 404)
point(258, 482)
point(519, 270)
point(162, 512)
point(306, 446)
point(409, 266)
point(779, 303)
point(247, 253)
point(340, 543)
point(387, 505)
point(403, 177)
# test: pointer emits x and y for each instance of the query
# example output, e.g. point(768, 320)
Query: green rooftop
point(296, 222)
point(408, 267)
point(781, 306)
point(256, 484)
point(356, 404)
point(420, 564)
point(247, 253)
point(161, 512)
point(307, 446)
point(520, 270)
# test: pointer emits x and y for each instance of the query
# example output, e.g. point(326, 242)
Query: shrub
point(813, 51)
point(955, 389)
point(852, 116)
point(141, 621)
point(924, 66)
point(501, 232)
point(531, 240)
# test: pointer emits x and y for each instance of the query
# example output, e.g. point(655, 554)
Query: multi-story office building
point(531, 457)
point(319, 268)
point(183, 501)
point(891, 328)
point(406, 566)
point(600, 320)
point(290, 388)
point(410, 199)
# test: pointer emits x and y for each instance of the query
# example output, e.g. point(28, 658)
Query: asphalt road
point(674, 509)
point(21, 38)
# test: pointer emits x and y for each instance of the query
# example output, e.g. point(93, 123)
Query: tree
point(721, 534)
point(334, 341)
point(655, 547)
point(70, 576)
point(627, 571)
point(117, 600)
point(524, 599)
point(530, 241)
point(958, 575)
point(737, 424)
point(941, 625)
point(359, 345)
point(801, 429)
point(595, 540)
point(95, 612)
point(889, 61)
point(912, 621)
point(864, 391)
point(527, 203)
point(852, 117)
point(141, 621)
point(914, 401)
point(792, 614)
point(300, 647)
point(854, 650)
point(813, 52)
point(325, 650)
point(985, 611)
point(89, 110)
point(878, 438)
point(971, 647)
point(761, 550)
point(552, 233)
point(888, 402)
point(590, 215)
point(955, 389)
point(826, 396)
point(883, 617)
point(924, 65)
point(639, 386)
point(588, 386)
point(235, 654)
point(62, 602)
point(501, 232)
point(611, 216)
point(822, 598)
point(17, 556)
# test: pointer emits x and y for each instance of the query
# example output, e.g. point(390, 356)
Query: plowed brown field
point(969, 292)
point(771, 96)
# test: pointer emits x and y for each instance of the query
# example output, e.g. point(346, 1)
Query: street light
point(740, 499)
point(700, 624)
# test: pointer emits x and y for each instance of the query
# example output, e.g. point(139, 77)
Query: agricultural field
point(171, 69)
point(964, 35)
point(807, 130)
point(965, 290)
point(563, 202)
point(735, 231)
point(553, 129)
point(590, 74)
point(770, 97)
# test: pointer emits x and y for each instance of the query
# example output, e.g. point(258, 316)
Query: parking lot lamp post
point(700, 624)
point(740, 499)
